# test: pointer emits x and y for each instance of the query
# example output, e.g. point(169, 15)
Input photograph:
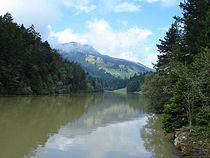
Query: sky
point(128, 29)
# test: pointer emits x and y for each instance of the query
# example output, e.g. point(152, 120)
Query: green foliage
point(94, 84)
point(201, 131)
point(180, 88)
point(203, 116)
point(30, 66)
point(154, 89)
point(133, 86)
point(135, 83)
point(114, 83)
point(174, 116)
point(167, 47)
point(194, 17)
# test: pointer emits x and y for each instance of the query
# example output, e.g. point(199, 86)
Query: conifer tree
point(166, 48)
point(194, 17)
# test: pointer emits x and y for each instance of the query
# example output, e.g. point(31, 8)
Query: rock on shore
point(190, 146)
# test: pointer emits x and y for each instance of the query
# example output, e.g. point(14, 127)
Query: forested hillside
point(180, 89)
point(30, 66)
point(113, 72)
point(135, 83)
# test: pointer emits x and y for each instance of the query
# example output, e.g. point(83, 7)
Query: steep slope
point(98, 65)
point(29, 66)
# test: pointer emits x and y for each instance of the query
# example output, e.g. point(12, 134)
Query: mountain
point(98, 65)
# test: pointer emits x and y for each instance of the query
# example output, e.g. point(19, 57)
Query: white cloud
point(41, 13)
point(126, 7)
point(32, 12)
point(149, 59)
point(121, 44)
point(166, 3)
point(120, 6)
point(124, 43)
point(80, 5)
point(62, 37)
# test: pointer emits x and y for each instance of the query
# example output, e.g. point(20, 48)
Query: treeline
point(180, 87)
point(30, 66)
point(135, 83)
point(114, 83)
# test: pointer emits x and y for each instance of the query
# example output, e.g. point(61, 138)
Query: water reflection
point(155, 140)
point(26, 122)
point(114, 140)
point(83, 125)
point(107, 129)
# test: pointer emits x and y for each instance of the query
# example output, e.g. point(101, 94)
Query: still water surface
point(104, 125)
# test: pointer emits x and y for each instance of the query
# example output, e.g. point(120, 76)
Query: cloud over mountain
point(122, 44)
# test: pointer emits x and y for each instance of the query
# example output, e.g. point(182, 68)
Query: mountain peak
point(98, 65)
point(74, 47)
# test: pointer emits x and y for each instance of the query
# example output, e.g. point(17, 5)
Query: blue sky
point(128, 29)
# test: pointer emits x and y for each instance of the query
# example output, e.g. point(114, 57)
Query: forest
point(135, 83)
point(31, 66)
point(180, 87)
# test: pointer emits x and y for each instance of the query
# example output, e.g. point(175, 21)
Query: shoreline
point(189, 145)
point(56, 94)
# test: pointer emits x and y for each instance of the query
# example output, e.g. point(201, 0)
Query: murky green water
point(105, 125)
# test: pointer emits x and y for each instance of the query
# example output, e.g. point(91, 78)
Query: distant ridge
point(98, 65)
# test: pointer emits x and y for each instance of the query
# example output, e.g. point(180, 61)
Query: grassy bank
point(121, 91)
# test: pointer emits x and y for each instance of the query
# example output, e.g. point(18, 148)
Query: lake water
point(106, 125)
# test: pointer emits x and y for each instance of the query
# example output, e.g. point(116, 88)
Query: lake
point(102, 125)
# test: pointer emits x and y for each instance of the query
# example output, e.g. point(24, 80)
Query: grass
point(121, 91)
point(124, 91)
point(122, 72)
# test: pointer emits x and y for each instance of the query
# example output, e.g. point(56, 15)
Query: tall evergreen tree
point(183, 70)
point(194, 17)
point(166, 48)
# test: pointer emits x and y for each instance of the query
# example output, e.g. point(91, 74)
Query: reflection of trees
point(155, 139)
point(137, 101)
point(113, 108)
point(26, 122)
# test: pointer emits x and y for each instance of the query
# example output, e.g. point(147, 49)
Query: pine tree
point(166, 48)
point(194, 16)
